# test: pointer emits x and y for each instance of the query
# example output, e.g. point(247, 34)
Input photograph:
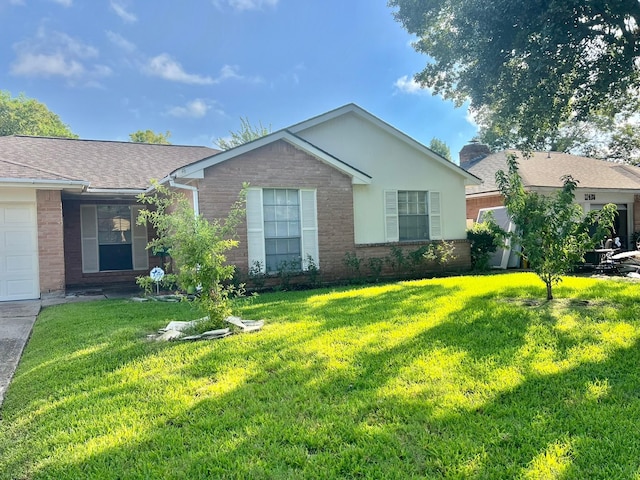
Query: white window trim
point(255, 228)
point(391, 215)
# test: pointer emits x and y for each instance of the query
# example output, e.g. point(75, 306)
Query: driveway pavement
point(16, 322)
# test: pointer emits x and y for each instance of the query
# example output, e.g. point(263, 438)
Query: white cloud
point(56, 54)
point(64, 3)
point(165, 67)
point(406, 84)
point(122, 12)
point(243, 5)
point(121, 42)
point(43, 65)
point(195, 109)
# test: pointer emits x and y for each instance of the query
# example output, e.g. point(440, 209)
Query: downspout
point(194, 192)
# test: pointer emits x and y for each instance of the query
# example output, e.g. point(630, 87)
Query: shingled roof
point(546, 169)
point(103, 164)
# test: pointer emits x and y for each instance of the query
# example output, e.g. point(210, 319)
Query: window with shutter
point(282, 230)
point(412, 215)
point(111, 240)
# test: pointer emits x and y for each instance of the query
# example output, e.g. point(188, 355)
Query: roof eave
point(44, 184)
point(192, 171)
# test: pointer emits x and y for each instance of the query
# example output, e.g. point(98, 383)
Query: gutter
point(181, 186)
point(194, 193)
point(115, 191)
point(45, 183)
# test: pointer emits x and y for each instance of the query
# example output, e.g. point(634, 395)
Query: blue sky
point(111, 67)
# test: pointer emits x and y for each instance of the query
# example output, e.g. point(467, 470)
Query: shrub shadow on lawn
point(411, 399)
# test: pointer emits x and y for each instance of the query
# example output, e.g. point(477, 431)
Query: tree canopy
point(246, 134)
point(440, 147)
point(527, 66)
point(149, 136)
point(553, 230)
point(26, 116)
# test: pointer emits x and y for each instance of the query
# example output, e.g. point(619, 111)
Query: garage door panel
point(19, 289)
point(19, 215)
point(19, 240)
point(20, 264)
point(18, 252)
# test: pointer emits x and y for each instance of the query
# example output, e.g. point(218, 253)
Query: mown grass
point(471, 377)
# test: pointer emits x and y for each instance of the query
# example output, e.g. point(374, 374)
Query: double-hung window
point(412, 215)
point(111, 240)
point(282, 230)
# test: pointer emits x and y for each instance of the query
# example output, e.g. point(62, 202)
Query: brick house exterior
point(352, 184)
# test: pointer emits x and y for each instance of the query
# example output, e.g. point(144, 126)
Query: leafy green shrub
point(286, 270)
point(485, 237)
point(312, 271)
point(375, 268)
point(397, 260)
point(257, 275)
point(353, 263)
point(168, 283)
point(197, 247)
point(441, 253)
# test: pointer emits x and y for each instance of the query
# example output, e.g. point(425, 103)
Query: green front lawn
point(470, 377)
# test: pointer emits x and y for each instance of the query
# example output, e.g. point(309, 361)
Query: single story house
point(344, 181)
point(599, 182)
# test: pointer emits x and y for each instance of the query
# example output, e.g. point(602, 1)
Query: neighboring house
point(341, 182)
point(599, 182)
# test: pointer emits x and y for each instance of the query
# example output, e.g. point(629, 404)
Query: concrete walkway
point(17, 319)
point(16, 322)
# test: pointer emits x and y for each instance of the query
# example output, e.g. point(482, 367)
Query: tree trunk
point(549, 294)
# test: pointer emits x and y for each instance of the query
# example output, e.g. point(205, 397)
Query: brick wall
point(50, 242)
point(280, 165)
point(474, 204)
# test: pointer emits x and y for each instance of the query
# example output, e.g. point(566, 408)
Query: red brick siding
point(73, 251)
point(474, 204)
point(280, 165)
point(50, 242)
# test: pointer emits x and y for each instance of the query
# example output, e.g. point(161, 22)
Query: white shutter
point(89, 236)
point(309, 224)
point(391, 226)
point(255, 229)
point(435, 218)
point(138, 241)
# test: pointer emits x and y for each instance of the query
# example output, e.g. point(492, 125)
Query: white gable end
point(394, 163)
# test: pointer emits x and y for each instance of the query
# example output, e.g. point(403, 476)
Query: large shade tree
point(22, 115)
point(528, 66)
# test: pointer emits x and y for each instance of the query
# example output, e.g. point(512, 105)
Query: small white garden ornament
point(157, 274)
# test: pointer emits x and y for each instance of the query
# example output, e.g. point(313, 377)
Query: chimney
point(473, 151)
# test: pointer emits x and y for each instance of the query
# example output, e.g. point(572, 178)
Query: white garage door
point(18, 252)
